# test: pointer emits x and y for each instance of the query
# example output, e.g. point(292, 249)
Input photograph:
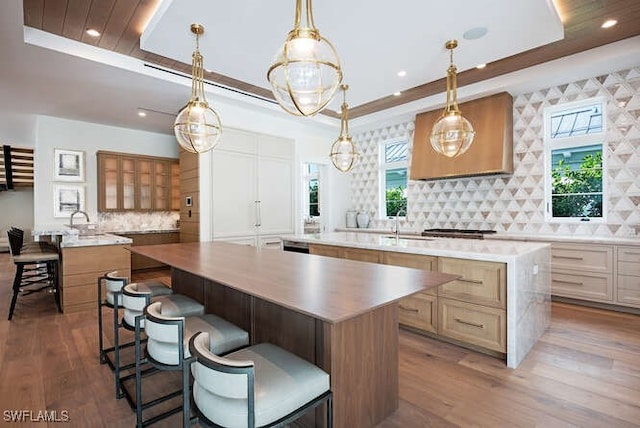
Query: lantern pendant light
point(343, 151)
point(452, 134)
point(197, 126)
point(306, 71)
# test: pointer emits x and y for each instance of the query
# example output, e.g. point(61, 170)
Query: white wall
point(59, 133)
point(18, 130)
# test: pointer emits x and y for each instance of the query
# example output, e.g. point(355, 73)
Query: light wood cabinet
point(473, 324)
point(325, 250)
point(483, 283)
point(628, 276)
point(472, 309)
point(490, 153)
point(129, 182)
point(81, 267)
point(420, 310)
point(582, 272)
point(362, 255)
point(139, 262)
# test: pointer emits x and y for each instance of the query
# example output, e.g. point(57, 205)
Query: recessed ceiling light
point(609, 23)
point(475, 33)
point(142, 113)
point(402, 73)
point(93, 32)
point(481, 66)
point(397, 94)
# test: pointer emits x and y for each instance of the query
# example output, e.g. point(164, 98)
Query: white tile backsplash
point(515, 203)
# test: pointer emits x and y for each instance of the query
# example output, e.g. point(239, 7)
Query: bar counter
point(342, 315)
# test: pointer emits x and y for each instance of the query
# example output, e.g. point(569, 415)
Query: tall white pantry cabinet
point(252, 188)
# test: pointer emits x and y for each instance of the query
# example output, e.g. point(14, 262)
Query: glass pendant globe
point(452, 135)
point(305, 73)
point(197, 127)
point(343, 154)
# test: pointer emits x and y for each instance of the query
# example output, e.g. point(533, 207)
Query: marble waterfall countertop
point(472, 249)
point(66, 237)
point(528, 274)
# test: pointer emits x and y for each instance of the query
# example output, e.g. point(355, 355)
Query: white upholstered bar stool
point(262, 385)
point(167, 348)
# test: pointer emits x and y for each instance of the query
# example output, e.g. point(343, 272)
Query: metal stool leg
point(16, 288)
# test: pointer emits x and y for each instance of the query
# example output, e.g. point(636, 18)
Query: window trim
point(382, 168)
point(551, 144)
point(307, 177)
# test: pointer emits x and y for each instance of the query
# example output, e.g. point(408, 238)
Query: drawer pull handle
point(472, 324)
point(560, 281)
point(404, 308)
point(568, 257)
point(470, 281)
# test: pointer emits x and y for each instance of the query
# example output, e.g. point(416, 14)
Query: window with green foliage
point(393, 177)
point(574, 135)
point(311, 177)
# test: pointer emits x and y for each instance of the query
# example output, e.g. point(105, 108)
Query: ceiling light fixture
point(343, 151)
point(197, 126)
point(402, 73)
point(481, 66)
point(142, 113)
point(93, 32)
point(306, 71)
point(397, 94)
point(609, 23)
point(452, 134)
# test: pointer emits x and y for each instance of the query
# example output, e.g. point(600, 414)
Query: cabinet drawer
point(325, 250)
point(415, 261)
point(591, 258)
point(419, 311)
point(371, 256)
point(629, 290)
point(586, 285)
point(629, 261)
point(483, 283)
point(473, 324)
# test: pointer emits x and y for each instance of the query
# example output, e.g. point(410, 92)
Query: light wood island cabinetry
point(420, 310)
point(81, 267)
point(470, 310)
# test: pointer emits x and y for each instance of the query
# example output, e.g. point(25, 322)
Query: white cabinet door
point(275, 191)
point(234, 193)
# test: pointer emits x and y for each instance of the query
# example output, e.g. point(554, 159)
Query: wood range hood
point(490, 153)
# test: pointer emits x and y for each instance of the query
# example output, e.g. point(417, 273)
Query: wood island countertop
point(329, 289)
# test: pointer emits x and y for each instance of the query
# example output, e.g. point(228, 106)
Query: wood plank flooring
point(584, 372)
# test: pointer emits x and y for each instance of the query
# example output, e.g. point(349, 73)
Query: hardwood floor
point(584, 372)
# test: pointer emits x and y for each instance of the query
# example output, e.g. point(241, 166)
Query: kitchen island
point(341, 315)
point(82, 260)
point(518, 307)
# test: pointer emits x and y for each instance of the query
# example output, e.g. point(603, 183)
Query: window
point(393, 177)
point(312, 190)
point(574, 141)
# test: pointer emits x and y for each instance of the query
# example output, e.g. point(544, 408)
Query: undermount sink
point(410, 237)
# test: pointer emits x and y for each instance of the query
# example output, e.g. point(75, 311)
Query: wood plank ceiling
point(121, 23)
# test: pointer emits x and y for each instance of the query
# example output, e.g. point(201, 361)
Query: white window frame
point(382, 169)
point(551, 144)
point(306, 178)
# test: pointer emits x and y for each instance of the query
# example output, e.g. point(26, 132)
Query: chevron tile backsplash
point(515, 203)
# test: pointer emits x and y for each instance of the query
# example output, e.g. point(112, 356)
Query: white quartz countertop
point(632, 240)
point(71, 241)
point(474, 249)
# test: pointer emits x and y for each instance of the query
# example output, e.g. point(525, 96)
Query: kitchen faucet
point(78, 212)
point(397, 227)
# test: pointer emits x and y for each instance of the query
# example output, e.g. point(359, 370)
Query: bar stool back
point(36, 270)
point(262, 385)
point(168, 349)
